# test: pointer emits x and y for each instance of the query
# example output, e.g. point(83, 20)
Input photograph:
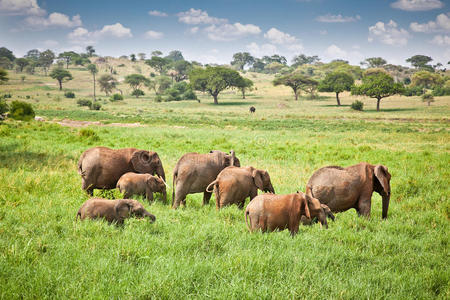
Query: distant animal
point(234, 184)
point(252, 109)
point(141, 184)
point(194, 171)
point(113, 210)
point(101, 167)
point(351, 187)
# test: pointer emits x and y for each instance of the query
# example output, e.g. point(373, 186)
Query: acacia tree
point(133, 57)
point(107, 83)
point(141, 56)
point(374, 62)
point(90, 51)
point(3, 76)
point(244, 85)
point(61, 75)
point(158, 63)
point(213, 80)
point(337, 82)
point(92, 68)
point(426, 79)
point(419, 61)
point(182, 69)
point(241, 59)
point(21, 63)
point(68, 56)
point(303, 59)
point(46, 59)
point(295, 81)
point(378, 85)
point(136, 81)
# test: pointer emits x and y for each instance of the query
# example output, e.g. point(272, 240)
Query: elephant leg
point(363, 206)
point(180, 196)
point(149, 196)
point(206, 198)
point(241, 203)
point(88, 187)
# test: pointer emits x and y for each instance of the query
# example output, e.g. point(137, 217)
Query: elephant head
point(317, 211)
point(156, 184)
point(127, 207)
point(262, 181)
point(381, 185)
point(147, 162)
point(227, 160)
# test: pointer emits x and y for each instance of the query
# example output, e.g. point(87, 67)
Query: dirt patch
point(74, 123)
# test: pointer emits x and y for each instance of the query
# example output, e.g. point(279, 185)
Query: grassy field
point(198, 252)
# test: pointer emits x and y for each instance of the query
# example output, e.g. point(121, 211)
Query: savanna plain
point(198, 252)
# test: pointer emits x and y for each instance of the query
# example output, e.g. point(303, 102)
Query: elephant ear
point(383, 176)
point(258, 179)
point(122, 208)
point(304, 208)
point(141, 161)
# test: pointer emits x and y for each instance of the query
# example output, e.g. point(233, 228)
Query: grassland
point(198, 252)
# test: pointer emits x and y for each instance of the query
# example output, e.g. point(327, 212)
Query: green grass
point(198, 252)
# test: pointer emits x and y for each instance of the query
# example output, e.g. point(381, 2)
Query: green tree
point(3, 76)
point(21, 63)
point(378, 85)
point(244, 85)
point(426, 79)
point(303, 59)
point(296, 82)
point(5, 63)
point(107, 83)
point(419, 61)
point(90, 51)
point(275, 58)
point(141, 56)
point(175, 55)
point(374, 62)
point(163, 83)
point(273, 67)
point(182, 68)
point(258, 65)
point(133, 57)
point(337, 82)
point(68, 56)
point(428, 98)
point(157, 53)
point(60, 75)
point(213, 80)
point(5, 52)
point(158, 63)
point(136, 81)
point(92, 68)
point(33, 55)
point(241, 59)
point(46, 59)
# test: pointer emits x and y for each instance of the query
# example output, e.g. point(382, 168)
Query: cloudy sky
point(211, 31)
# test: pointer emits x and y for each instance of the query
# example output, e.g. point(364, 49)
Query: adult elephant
point(101, 167)
point(194, 171)
point(351, 187)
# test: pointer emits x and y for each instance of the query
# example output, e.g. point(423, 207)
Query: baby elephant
point(113, 210)
point(141, 184)
point(234, 184)
point(326, 211)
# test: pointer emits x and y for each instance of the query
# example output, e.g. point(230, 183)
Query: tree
point(419, 61)
point(158, 63)
point(21, 63)
point(107, 83)
point(46, 59)
point(182, 68)
point(374, 62)
point(60, 75)
point(275, 58)
point(273, 67)
point(68, 56)
point(5, 63)
point(157, 53)
point(241, 59)
point(133, 57)
point(244, 85)
point(33, 55)
point(163, 83)
point(426, 79)
point(297, 82)
point(302, 59)
point(93, 70)
point(175, 55)
point(3, 76)
point(5, 52)
point(337, 82)
point(258, 65)
point(213, 80)
point(141, 56)
point(136, 81)
point(378, 85)
point(428, 98)
point(90, 51)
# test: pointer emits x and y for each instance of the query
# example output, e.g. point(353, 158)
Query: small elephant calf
point(113, 210)
point(141, 184)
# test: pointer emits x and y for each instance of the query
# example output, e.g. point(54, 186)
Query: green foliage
point(84, 102)
point(158, 63)
point(297, 82)
point(88, 134)
point(69, 94)
point(174, 55)
point(92, 68)
point(426, 79)
point(21, 63)
point(337, 82)
point(95, 106)
point(20, 110)
point(6, 53)
point(441, 90)
point(4, 107)
point(427, 98)
point(136, 81)
point(3, 76)
point(116, 97)
point(137, 93)
point(61, 75)
point(302, 59)
point(374, 62)
point(419, 61)
point(107, 83)
point(412, 91)
point(90, 51)
point(357, 105)
point(182, 69)
point(241, 59)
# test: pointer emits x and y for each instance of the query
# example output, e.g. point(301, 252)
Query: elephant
point(194, 171)
point(351, 187)
point(326, 210)
point(113, 210)
point(141, 184)
point(234, 184)
point(101, 167)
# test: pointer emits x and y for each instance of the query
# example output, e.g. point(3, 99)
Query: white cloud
point(229, 32)
point(198, 16)
point(154, 35)
point(442, 23)
point(194, 30)
point(54, 20)
point(417, 5)
point(441, 40)
point(21, 7)
point(388, 34)
point(329, 18)
point(334, 51)
point(81, 35)
point(276, 36)
point(115, 30)
point(259, 51)
point(157, 13)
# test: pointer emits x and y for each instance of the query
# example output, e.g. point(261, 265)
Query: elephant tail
point(175, 174)
point(78, 215)
point(211, 185)
point(246, 219)
point(80, 167)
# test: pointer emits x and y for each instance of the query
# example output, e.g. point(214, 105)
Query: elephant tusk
point(165, 183)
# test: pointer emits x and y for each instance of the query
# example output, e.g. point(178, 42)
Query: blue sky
point(211, 31)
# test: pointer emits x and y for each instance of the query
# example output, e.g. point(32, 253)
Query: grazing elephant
point(195, 171)
point(101, 167)
point(326, 211)
point(234, 184)
point(113, 210)
point(351, 187)
point(141, 184)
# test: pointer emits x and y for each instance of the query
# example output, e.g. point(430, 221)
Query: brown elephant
point(327, 212)
point(101, 167)
point(141, 184)
point(234, 184)
point(351, 187)
point(113, 210)
point(194, 171)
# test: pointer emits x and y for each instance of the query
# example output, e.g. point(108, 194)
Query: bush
point(21, 111)
point(3, 106)
point(158, 98)
point(190, 95)
point(116, 97)
point(357, 105)
point(95, 106)
point(412, 91)
point(84, 102)
point(441, 91)
point(69, 94)
point(137, 93)
point(87, 133)
point(173, 94)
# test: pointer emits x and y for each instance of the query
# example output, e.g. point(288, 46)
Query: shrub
point(69, 94)
point(173, 94)
point(87, 133)
point(95, 106)
point(189, 95)
point(3, 106)
point(121, 65)
point(357, 105)
point(137, 93)
point(116, 97)
point(441, 91)
point(84, 102)
point(21, 111)
point(158, 98)
point(412, 91)
point(427, 98)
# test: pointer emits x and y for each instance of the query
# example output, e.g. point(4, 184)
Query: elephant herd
point(330, 189)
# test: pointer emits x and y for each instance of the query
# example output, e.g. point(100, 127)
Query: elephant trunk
point(164, 194)
point(160, 172)
point(385, 206)
point(150, 216)
point(271, 189)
